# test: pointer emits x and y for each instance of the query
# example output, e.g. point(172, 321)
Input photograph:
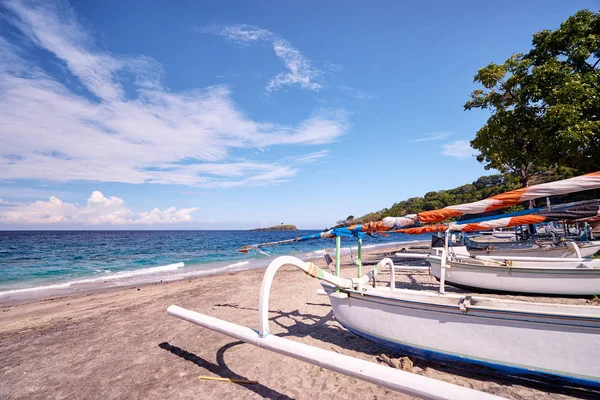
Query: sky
point(242, 114)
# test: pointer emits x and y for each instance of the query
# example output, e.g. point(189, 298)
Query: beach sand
point(120, 343)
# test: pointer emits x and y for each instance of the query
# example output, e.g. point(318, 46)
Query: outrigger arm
point(394, 379)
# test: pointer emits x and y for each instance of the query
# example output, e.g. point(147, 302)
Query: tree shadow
point(221, 369)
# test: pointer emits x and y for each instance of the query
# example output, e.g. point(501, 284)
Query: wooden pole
point(338, 247)
point(359, 257)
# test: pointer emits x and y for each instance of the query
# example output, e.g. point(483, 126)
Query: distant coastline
point(282, 227)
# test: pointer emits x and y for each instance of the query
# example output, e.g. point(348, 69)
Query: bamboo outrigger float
point(381, 375)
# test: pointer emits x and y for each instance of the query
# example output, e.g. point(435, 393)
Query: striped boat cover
point(503, 200)
point(584, 212)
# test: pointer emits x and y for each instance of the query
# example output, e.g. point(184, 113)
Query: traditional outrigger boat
point(554, 344)
point(532, 275)
point(564, 249)
point(546, 342)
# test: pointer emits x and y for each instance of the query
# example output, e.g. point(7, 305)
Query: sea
point(43, 263)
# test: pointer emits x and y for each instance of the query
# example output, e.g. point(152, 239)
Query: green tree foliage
point(482, 188)
point(545, 104)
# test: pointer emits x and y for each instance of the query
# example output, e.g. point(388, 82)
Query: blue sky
point(232, 115)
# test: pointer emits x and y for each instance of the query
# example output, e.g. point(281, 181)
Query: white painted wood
point(541, 337)
point(563, 250)
point(402, 381)
point(540, 277)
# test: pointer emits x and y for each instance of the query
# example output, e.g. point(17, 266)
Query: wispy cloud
point(427, 137)
point(4, 203)
point(49, 132)
point(357, 94)
point(16, 193)
point(309, 158)
point(299, 69)
point(99, 210)
point(241, 34)
point(459, 149)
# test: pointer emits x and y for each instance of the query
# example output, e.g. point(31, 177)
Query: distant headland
point(282, 227)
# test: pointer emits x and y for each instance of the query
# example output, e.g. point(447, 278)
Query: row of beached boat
point(551, 343)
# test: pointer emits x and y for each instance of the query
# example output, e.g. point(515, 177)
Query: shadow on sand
point(221, 369)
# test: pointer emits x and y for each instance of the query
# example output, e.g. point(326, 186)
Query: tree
point(349, 218)
point(545, 104)
point(510, 140)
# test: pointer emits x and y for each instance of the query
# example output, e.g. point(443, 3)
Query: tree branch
point(503, 84)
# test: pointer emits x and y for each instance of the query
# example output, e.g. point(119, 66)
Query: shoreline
point(156, 274)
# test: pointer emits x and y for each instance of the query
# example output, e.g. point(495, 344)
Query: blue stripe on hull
point(457, 361)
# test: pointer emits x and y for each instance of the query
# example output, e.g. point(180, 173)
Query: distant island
point(282, 227)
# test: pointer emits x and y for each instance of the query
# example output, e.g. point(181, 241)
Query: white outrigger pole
point(394, 379)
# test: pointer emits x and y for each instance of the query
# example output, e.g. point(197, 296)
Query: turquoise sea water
point(33, 260)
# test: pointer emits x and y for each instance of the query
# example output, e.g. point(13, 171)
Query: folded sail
point(576, 212)
point(503, 200)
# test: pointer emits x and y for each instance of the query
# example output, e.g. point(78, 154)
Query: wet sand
point(120, 343)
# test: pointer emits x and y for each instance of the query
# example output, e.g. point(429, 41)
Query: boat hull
point(559, 350)
point(532, 250)
point(533, 278)
point(562, 250)
point(483, 241)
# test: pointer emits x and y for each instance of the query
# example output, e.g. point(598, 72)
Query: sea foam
point(104, 277)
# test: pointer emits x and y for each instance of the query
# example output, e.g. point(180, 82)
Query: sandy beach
point(120, 343)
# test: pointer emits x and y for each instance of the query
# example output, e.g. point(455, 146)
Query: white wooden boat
point(536, 275)
point(550, 343)
point(558, 250)
point(553, 343)
point(486, 240)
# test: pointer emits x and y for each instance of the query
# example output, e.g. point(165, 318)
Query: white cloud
point(459, 149)
point(427, 137)
point(357, 94)
point(242, 34)
point(148, 134)
point(309, 158)
point(99, 210)
point(299, 69)
point(4, 203)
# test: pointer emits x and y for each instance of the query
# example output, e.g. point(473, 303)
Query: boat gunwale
point(573, 315)
point(519, 268)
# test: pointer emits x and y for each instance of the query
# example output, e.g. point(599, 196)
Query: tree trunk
point(525, 182)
